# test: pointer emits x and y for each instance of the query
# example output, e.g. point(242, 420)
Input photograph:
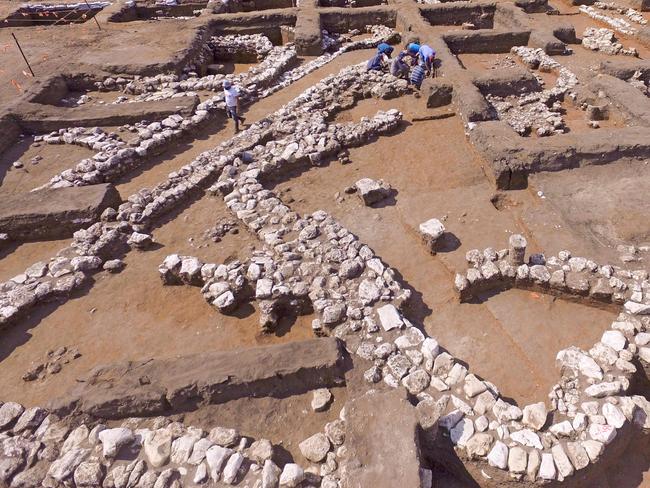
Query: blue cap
point(227, 84)
point(385, 48)
point(413, 48)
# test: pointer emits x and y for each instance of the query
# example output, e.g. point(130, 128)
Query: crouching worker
point(381, 60)
point(417, 75)
point(423, 55)
point(231, 94)
point(399, 66)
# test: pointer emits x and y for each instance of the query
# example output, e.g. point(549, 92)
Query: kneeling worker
point(380, 61)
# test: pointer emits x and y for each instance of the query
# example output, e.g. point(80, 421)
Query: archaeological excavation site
point(325, 243)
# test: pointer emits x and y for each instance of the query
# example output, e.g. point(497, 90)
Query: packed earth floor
point(369, 284)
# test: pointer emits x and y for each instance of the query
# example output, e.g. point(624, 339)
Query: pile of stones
point(620, 25)
point(116, 157)
point(531, 112)
point(219, 231)
point(603, 40)
point(112, 157)
point(537, 111)
point(223, 286)
point(91, 137)
point(630, 13)
point(235, 46)
point(39, 449)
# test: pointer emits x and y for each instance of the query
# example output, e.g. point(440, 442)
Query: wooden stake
point(94, 16)
point(23, 54)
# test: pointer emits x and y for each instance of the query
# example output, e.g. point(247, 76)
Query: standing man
point(231, 94)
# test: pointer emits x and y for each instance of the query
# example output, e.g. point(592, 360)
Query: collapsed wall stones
point(538, 110)
point(339, 273)
point(603, 40)
point(39, 449)
point(101, 240)
point(116, 157)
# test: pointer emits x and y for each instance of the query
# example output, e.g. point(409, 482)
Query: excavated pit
point(280, 282)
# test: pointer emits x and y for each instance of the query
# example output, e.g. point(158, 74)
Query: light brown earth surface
point(510, 338)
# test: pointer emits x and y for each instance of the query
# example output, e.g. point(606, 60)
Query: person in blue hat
point(380, 61)
point(423, 55)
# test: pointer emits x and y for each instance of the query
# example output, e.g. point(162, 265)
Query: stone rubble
point(630, 13)
point(115, 156)
point(603, 40)
point(619, 25)
point(541, 111)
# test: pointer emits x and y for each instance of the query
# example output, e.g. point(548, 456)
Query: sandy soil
point(269, 417)
point(611, 210)
point(56, 158)
point(16, 257)
point(131, 315)
point(510, 338)
point(450, 184)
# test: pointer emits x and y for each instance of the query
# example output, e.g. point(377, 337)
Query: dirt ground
point(510, 338)
point(34, 173)
point(451, 186)
point(131, 315)
point(269, 417)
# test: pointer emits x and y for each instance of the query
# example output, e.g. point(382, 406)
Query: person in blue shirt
point(424, 55)
point(381, 59)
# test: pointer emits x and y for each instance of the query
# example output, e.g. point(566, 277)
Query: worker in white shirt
point(231, 94)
